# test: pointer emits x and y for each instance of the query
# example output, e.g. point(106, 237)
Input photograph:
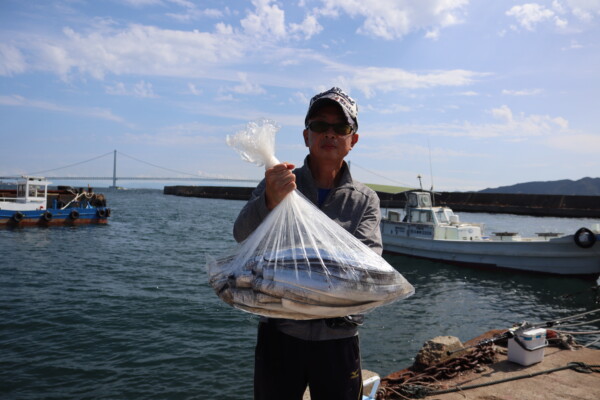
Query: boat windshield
point(21, 190)
point(31, 191)
point(36, 191)
point(442, 217)
point(423, 216)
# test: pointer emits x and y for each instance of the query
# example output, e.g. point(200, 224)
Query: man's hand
point(280, 182)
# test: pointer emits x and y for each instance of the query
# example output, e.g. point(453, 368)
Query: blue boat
point(32, 204)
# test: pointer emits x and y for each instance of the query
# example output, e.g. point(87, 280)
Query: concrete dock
point(507, 380)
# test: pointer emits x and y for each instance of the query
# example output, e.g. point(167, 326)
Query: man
point(323, 353)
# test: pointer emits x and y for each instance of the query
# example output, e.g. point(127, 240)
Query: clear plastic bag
point(300, 264)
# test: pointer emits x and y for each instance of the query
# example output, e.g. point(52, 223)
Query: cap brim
point(317, 105)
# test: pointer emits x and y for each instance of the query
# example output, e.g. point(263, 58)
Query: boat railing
point(548, 234)
point(8, 199)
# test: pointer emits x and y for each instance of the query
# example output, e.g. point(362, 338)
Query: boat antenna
point(420, 183)
point(431, 173)
point(430, 164)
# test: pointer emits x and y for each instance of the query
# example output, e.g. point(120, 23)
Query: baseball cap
point(338, 96)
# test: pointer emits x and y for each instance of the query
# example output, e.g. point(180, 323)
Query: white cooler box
point(532, 350)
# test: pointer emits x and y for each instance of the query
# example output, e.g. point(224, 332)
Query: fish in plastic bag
point(299, 264)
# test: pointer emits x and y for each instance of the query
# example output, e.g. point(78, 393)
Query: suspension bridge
point(184, 176)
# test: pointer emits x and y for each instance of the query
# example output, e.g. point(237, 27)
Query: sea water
point(124, 311)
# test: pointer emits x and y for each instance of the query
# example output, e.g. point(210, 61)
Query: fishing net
point(300, 264)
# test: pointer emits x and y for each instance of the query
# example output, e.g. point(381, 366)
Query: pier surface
point(567, 384)
point(553, 378)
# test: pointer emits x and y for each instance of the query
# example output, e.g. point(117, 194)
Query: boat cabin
point(31, 194)
point(422, 219)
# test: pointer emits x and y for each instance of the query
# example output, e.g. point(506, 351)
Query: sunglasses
point(322, 127)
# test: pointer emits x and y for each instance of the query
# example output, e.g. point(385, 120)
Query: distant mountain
point(582, 187)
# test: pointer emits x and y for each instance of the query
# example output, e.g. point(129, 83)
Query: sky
point(469, 94)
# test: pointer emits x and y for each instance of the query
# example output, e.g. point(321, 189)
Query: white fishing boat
point(435, 232)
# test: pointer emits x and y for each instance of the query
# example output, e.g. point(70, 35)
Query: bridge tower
point(114, 185)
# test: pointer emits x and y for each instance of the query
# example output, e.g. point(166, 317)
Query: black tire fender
point(74, 214)
point(47, 216)
point(101, 213)
point(584, 238)
point(18, 216)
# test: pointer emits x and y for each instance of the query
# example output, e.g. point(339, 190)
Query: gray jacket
point(352, 205)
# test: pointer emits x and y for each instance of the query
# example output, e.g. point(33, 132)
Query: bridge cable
point(71, 165)
point(353, 163)
point(166, 169)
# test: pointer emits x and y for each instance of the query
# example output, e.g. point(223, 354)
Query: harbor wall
point(509, 203)
point(211, 192)
point(502, 203)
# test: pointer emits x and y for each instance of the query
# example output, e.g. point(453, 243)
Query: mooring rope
point(579, 333)
point(581, 323)
point(579, 315)
point(592, 343)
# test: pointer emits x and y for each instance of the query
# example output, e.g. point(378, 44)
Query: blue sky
point(474, 93)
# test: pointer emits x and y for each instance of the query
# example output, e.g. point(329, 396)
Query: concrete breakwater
point(509, 203)
point(501, 203)
point(211, 192)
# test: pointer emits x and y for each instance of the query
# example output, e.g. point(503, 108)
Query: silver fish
point(327, 311)
point(306, 284)
point(296, 293)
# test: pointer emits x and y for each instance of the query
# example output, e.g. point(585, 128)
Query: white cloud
point(560, 23)
point(225, 97)
point(393, 19)
point(522, 126)
point(163, 3)
point(308, 28)
point(433, 34)
point(299, 98)
point(190, 134)
point(117, 90)
point(578, 143)
point(11, 60)
point(142, 3)
point(389, 109)
point(137, 49)
point(531, 14)
point(525, 92)
point(94, 112)
point(194, 90)
point(247, 87)
point(510, 127)
point(140, 50)
point(141, 89)
point(558, 7)
point(105, 48)
point(575, 45)
point(223, 29)
point(503, 113)
point(372, 79)
point(196, 14)
point(266, 21)
point(585, 10)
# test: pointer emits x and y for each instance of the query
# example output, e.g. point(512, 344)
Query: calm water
point(124, 310)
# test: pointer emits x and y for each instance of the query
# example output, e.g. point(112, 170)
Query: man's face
point(329, 146)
